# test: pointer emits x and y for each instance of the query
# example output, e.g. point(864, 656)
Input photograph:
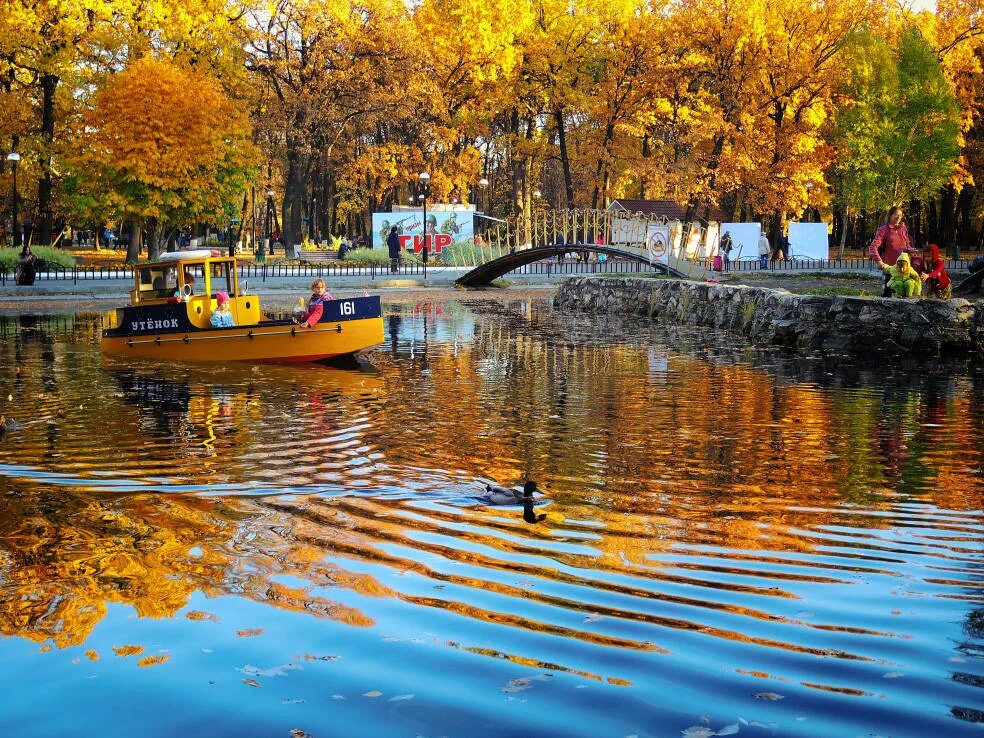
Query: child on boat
point(316, 305)
point(221, 316)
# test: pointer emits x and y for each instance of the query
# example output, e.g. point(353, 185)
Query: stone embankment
point(773, 317)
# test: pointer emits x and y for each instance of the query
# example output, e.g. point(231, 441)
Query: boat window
point(158, 282)
point(222, 278)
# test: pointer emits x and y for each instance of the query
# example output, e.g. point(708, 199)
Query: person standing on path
point(393, 243)
point(764, 251)
point(890, 241)
point(726, 245)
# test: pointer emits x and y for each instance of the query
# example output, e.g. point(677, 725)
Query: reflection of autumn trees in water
point(65, 556)
point(654, 447)
point(521, 399)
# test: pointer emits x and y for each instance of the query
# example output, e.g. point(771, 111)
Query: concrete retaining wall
point(770, 317)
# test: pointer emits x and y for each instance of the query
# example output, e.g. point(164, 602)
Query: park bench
point(318, 256)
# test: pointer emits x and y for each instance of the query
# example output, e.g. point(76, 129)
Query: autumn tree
point(43, 45)
point(331, 72)
point(181, 156)
point(898, 127)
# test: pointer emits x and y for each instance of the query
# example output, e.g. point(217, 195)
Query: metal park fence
point(568, 266)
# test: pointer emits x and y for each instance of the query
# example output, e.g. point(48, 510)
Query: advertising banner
point(444, 227)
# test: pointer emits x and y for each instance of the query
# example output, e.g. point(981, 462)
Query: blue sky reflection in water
point(735, 543)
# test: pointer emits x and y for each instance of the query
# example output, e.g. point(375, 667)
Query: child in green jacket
point(903, 280)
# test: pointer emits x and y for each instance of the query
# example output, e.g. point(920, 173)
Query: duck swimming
point(496, 495)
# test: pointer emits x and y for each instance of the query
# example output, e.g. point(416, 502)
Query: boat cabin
point(194, 281)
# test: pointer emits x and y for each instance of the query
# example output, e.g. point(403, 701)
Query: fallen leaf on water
point(76, 661)
point(618, 682)
point(271, 672)
point(45, 648)
point(517, 685)
point(152, 660)
point(252, 682)
point(372, 693)
point(312, 657)
point(128, 650)
point(893, 675)
point(697, 731)
point(92, 655)
point(289, 701)
point(768, 696)
point(401, 697)
point(592, 618)
point(729, 729)
point(249, 632)
point(201, 615)
point(298, 733)
point(339, 697)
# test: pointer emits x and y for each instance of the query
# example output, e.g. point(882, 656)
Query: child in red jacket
point(937, 281)
point(316, 305)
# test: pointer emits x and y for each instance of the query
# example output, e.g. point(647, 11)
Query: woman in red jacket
point(937, 281)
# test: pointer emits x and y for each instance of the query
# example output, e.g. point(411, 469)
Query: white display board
point(744, 238)
point(808, 241)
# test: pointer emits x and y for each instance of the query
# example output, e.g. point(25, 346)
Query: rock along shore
point(775, 317)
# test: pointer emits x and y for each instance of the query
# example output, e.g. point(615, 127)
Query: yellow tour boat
point(171, 305)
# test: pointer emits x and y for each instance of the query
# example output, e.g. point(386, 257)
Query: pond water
point(731, 543)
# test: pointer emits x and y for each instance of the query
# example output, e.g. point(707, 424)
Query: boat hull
point(339, 333)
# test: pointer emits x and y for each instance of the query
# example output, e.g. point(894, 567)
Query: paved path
point(540, 273)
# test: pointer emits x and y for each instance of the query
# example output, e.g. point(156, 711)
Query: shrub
point(53, 257)
point(466, 253)
point(379, 257)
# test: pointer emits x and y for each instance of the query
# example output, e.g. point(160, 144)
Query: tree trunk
point(49, 83)
point(293, 196)
point(564, 158)
point(965, 232)
point(948, 229)
point(844, 216)
point(599, 197)
point(133, 250)
point(518, 166)
point(153, 242)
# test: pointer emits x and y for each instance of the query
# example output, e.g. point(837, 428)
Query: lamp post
point(809, 188)
point(424, 178)
point(313, 228)
point(265, 241)
point(232, 245)
point(13, 157)
point(484, 184)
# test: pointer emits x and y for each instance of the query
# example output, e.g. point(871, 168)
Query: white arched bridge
point(665, 246)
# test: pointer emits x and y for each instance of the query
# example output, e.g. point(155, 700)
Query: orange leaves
point(164, 141)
